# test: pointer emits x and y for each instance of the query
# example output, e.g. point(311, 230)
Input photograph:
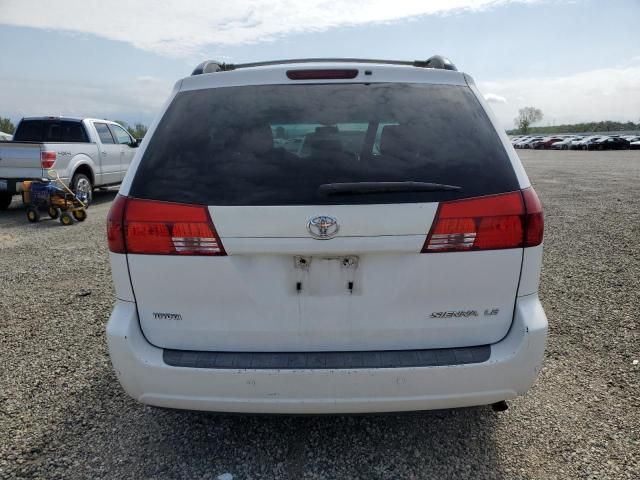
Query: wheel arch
point(85, 169)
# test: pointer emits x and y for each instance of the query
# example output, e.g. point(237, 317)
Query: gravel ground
point(63, 414)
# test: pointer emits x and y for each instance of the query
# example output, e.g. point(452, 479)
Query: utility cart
point(58, 201)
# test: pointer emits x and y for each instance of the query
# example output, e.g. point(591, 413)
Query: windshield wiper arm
point(355, 188)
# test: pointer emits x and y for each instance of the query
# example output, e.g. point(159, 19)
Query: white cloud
point(604, 94)
point(137, 100)
point(493, 98)
point(185, 27)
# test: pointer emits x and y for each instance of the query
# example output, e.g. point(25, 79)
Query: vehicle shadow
point(102, 432)
point(101, 197)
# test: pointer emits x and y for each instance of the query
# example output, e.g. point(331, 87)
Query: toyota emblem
point(323, 227)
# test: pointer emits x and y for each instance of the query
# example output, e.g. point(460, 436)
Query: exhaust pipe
point(500, 406)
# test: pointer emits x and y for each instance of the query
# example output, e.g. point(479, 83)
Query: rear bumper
point(510, 371)
point(14, 185)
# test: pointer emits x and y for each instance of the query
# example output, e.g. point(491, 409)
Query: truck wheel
point(53, 212)
point(5, 200)
point(33, 215)
point(81, 186)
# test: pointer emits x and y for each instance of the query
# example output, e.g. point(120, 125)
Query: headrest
point(327, 130)
point(324, 139)
point(397, 140)
point(257, 139)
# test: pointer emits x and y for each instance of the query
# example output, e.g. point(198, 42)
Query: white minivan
point(326, 236)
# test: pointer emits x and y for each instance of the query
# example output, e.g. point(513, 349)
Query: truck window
point(120, 135)
point(104, 133)
point(65, 131)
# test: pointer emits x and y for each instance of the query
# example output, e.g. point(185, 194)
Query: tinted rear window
point(276, 144)
point(50, 131)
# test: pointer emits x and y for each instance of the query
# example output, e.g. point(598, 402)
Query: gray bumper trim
point(327, 360)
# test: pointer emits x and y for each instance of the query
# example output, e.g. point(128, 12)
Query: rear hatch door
point(305, 257)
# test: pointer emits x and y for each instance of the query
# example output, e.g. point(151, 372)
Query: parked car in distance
point(581, 144)
point(368, 271)
point(565, 143)
point(587, 143)
point(526, 139)
point(86, 153)
point(545, 142)
point(528, 142)
point(609, 143)
point(5, 137)
point(635, 145)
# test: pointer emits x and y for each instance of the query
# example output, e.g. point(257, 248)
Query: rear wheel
point(82, 187)
point(53, 212)
point(80, 215)
point(5, 200)
point(33, 215)
point(66, 219)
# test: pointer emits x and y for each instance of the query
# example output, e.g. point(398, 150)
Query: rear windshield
point(50, 131)
point(277, 144)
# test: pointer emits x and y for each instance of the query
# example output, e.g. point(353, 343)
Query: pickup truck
point(87, 153)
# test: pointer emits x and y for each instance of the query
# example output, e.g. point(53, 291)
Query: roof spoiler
point(436, 61)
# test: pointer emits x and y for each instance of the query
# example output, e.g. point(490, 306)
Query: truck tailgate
point(19, 161)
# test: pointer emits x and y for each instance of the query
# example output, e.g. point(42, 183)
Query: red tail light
point(47, 159)
point(329, 74)
point(510, 220)
point(534, 221)
point(161, 228)
point(115, 225)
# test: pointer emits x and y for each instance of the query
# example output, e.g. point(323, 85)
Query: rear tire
point(33, 215)
point(80, 215)
point(5, 200)
point(53, 212)
point(66, 219)
point(82, 187)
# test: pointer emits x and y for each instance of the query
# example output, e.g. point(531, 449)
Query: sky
point(576, 60)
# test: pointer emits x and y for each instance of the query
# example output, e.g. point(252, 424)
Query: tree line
point(137, 130)
point(586, 127)
point(530, 115)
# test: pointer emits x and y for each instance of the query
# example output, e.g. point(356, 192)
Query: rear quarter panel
point(70, 156)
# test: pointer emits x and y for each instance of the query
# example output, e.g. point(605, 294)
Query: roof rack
point(436, 61)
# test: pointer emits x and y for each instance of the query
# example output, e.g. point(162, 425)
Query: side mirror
point(135, 143)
